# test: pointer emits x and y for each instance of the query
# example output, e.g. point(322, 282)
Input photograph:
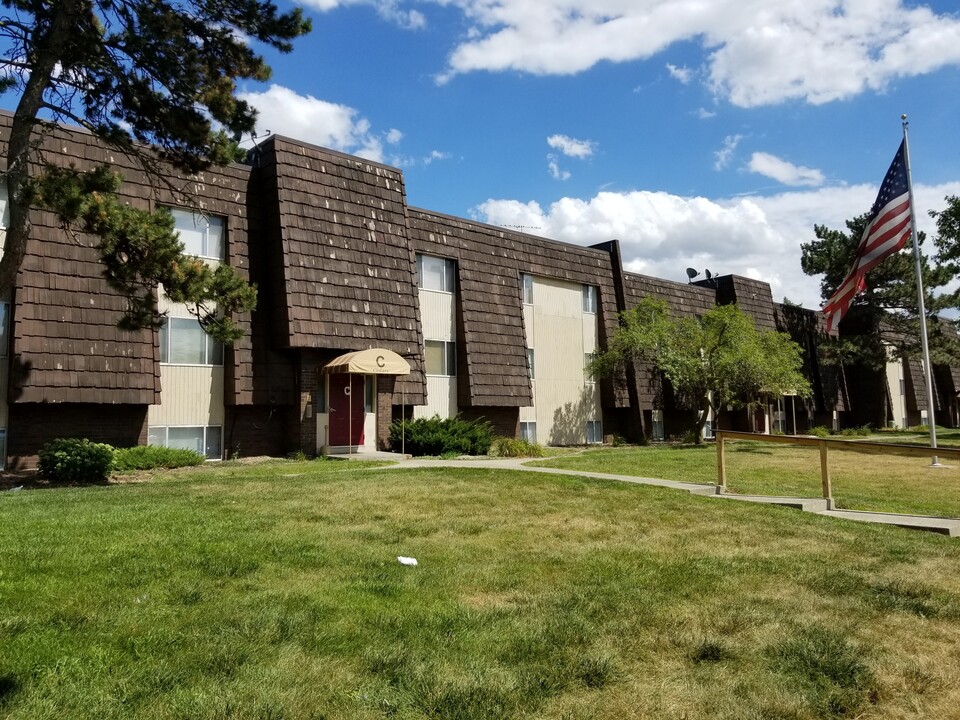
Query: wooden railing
point(825, 445)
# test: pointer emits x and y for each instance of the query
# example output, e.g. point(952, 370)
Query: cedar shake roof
point(683, 300)
point(490, 261)
point(753, 296)
point(66, 345)
point(341, 272)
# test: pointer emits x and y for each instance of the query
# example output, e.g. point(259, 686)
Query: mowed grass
point(274, 591)
point(880, 483)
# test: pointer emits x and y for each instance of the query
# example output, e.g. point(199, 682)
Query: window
point(435, 273)
point(368, 400)
point(440, 357)
point(4, 329)
point(590, 299)
point(656, 431)
point(530, 364)
point(528, 431)
point(204, 440)
point(594, 432)
point(321, 402)
point(587, 359)
point(183, 342)
point(527, 282)
point(201, 235)
point(708, 430)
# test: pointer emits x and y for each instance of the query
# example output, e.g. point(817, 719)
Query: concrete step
point(817, 505)
point(944, 526)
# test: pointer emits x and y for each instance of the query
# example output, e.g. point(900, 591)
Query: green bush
point(148, 457)
point(861, 431)
point(515, 447)
point(435, 436)
point(75, 460)
point(820, 431)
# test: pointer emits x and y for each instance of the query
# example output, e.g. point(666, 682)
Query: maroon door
point(345, 389)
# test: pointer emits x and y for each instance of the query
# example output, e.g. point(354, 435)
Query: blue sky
point(703, 133)
point(711, 135)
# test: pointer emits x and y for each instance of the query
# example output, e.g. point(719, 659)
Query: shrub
point(861, 431)
point(75, 460)
point(148, 457)
point(514, 447)
point(436, 436)
point(820, 431)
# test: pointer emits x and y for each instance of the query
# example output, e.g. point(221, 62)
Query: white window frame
point(162, 433)
point(531, 364)
point(590, 299)
point(587, 377)
point(212, 350)
point(657, 428)
point(448, 273)
point(594, 432)
point(205, 226)
point(449, 352)
point(528, 431)
point(526, 284)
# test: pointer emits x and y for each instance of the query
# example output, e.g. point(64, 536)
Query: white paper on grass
point(406, 560)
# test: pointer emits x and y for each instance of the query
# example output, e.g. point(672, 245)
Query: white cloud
point(724, 155)
point(554, 169)
point(682, 74)
point(758, 51)
point(389, 10)
point(662, 234)
point(704, 114)
point(571, 147)
point(436, 155)
point(393, 136)
point(284, 112)
point(784, 172)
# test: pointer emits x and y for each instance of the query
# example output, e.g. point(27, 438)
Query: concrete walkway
point(944, 526)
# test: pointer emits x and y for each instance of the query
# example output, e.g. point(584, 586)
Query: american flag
point(888, 228)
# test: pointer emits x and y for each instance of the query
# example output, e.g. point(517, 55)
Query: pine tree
point(156, 80)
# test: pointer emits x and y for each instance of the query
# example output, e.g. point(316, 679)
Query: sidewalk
point(944, 526)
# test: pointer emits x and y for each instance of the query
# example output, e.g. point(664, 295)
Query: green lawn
point(273, 591)
point(880, 483)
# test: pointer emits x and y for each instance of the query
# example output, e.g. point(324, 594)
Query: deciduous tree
point(155, 79)
point(711, 362)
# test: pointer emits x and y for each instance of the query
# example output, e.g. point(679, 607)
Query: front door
point(346, 409)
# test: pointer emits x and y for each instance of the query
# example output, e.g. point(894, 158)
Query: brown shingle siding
point(490, 261)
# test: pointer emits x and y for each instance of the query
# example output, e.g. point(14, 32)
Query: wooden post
point(721, 465)
point(825, 475)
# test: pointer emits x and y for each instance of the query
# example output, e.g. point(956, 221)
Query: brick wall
point(34, 424)
point(254, 430)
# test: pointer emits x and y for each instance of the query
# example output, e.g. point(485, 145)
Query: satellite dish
point(707, 273)
point(691, 273)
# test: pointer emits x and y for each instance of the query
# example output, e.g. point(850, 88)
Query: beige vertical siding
point(191, 395)
point(560, 334)
point(437, 315)
point(439, 320)
point(895, 374)
point(441, 398)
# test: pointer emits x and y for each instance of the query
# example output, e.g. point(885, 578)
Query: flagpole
point(927, 366)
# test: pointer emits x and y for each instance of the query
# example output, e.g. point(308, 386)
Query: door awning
point(375, 361)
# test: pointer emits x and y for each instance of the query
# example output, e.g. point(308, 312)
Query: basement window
point(528, 431)
point(205, 440)
point(594, 432)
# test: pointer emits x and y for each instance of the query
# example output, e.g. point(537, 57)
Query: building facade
point(486, 322)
